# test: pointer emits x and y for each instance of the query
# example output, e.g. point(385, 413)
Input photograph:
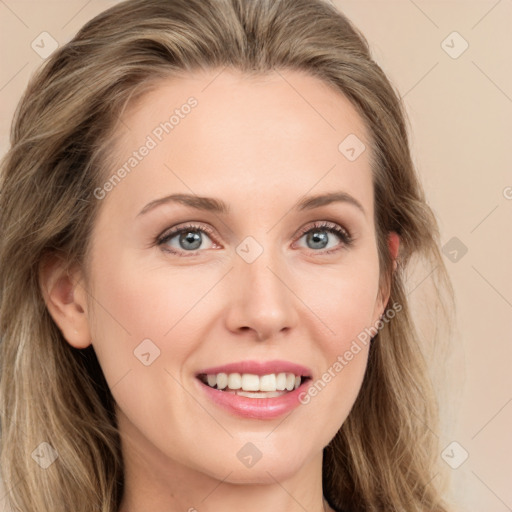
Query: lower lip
point(256, 408)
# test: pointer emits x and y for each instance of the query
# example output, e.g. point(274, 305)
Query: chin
point(251, 465)
point(262, 474)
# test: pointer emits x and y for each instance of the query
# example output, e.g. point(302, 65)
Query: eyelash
point(330, 227)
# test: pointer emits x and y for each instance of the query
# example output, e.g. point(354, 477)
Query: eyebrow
point(211, 204)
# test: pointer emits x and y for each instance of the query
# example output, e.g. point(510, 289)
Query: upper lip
point(258, 368)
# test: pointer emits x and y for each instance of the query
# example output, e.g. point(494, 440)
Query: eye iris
point(191, 237)
point(318, 237)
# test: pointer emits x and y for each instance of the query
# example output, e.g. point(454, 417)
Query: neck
point(169, 487)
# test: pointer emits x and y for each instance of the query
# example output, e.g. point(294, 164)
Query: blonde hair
point(384, 457)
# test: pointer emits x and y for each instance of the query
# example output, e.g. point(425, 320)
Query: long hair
point(54, 398)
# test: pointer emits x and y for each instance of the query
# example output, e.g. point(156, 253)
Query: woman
point(272, 365)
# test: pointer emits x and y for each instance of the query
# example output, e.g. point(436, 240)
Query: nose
point(261, 298)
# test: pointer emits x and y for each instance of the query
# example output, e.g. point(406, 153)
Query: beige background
point(461, 115)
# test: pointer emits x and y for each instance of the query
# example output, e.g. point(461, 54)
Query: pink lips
point(259, 368)
point(257, 408)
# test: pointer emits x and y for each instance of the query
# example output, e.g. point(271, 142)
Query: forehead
point(261, 135)
point(261, 104)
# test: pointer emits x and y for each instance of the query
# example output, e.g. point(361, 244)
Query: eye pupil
point(191, 237)
point(318, 237)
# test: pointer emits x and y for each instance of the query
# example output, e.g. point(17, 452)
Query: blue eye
point(317, 235)
point(190, 238)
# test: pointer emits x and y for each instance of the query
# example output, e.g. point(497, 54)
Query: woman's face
point(259, 280)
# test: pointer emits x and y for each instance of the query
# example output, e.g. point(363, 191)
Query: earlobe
point(65, 299)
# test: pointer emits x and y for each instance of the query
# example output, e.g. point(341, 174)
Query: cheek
point(147, 323)
point(149, 320)
point(344, 298)
point(346, 306)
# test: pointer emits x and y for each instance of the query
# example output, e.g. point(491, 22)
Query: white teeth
point(234, 381)
point(222, 380)
point(281, 381)
point(268, 382)
point(272, 384)
point(250, 382)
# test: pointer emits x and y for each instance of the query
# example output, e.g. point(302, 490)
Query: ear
point(66, 300)
point(393, 240)
point(393, 244)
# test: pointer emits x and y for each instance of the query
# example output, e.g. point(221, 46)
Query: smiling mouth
point(254, 386)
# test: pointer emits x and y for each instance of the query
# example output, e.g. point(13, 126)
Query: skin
point(259, 144)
